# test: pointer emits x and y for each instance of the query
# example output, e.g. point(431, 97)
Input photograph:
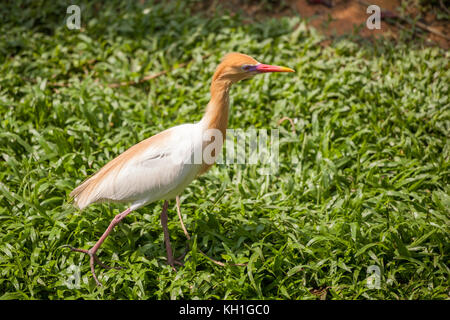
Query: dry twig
point(290, 120)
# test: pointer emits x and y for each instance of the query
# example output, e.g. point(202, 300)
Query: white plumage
point(157, 168)
point(160, 167)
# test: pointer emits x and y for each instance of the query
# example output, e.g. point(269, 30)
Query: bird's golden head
point(237, 66)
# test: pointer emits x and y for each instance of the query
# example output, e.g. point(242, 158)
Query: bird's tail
point(81, 195)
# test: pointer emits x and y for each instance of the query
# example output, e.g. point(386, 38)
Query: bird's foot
point(172, 262)
point(179, 260)
point(93, 259)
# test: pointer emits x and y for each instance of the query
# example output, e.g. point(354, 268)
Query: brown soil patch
point(344, 17)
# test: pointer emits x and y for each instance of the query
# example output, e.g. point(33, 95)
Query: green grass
point(371, 186)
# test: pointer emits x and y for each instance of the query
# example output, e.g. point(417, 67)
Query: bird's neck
point(216, 114)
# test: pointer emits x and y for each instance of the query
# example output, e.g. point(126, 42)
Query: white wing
point(159, 167)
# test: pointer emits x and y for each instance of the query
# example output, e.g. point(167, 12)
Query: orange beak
point(263, 68)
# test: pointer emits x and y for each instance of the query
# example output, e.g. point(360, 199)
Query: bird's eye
point(246, 67)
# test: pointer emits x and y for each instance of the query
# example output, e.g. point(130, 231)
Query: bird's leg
point(189, 238)
point(177, 198)
point(181, 219)
point(164, 219)
point(92, 252)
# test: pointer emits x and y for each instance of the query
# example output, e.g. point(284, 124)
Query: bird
point(163, 165)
